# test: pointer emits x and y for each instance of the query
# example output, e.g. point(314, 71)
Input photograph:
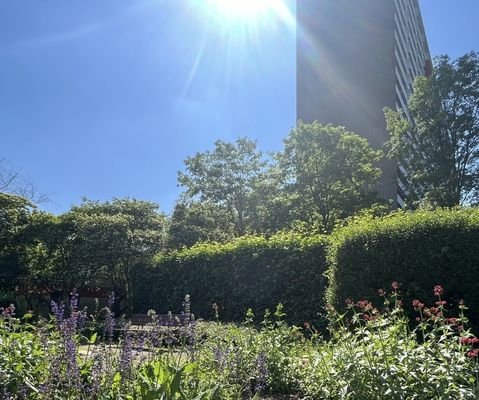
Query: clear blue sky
point(106, 98)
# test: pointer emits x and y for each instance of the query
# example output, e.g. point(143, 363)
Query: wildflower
point(381, 292)
point(473, 353)
point(261, 371)
point(434, 311)
point(441, 303)
point(307, 325)
point(349, 303)
point(126, 356)
point(417, 305)
point(8, 312)
point(187, 310)
point(464, 340)
point(468, 340)
point(438, 290)
point(58, 312)
point(395, 286)
point(364, 305)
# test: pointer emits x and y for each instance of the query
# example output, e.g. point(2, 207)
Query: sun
point(235, 32)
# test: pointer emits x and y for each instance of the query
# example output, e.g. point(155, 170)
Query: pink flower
point(364, 305)
point(395, 285)
point(438, 290)
point(473, 353)
point(417, 305)
point(464, 340)
point(469, 340)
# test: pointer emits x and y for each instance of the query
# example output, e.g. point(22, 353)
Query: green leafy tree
point(58, 259)
point(273, 205)
point(15, 215)
point(439, 145)
point(96, 244)
point(198, 222)
point(226, 177)
point(331, 172)
point(115, 239)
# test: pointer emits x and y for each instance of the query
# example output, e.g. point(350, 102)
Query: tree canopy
point(333, 172)
point(439, 145)
point(226, 177)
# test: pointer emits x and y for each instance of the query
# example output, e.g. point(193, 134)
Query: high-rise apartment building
point(355, 57)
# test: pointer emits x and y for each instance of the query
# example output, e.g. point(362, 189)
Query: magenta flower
point(417, 305)
point(438, 290)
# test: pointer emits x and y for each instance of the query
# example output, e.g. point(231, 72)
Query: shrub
point(419, 249)
point(251, 272)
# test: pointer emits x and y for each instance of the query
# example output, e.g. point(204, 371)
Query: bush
point(419, 250)
point(251, 272)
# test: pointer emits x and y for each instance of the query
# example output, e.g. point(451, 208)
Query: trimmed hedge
point(418, 250)
point(250, 272)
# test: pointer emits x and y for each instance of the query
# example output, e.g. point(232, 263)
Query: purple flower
point(126, 356)
point(262, 372)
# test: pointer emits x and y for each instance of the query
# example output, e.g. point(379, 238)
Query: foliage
point(375, 355)
point(419, 249)
point(370, 354)
point(198, 222)
point(226, 177)
point(333, 172)
point(96, 244)
point(46, 361)
point(439, 143)
point(15, 215)
point(116, 238)
point(250, 272)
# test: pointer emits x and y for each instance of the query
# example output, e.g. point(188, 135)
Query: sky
point(106, 99)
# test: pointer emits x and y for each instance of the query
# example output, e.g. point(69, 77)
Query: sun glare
point(246, 11)
point(236, 32)
point(243, 8)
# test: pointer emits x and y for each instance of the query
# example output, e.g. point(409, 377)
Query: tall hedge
point(418, 250)
point(251, 272)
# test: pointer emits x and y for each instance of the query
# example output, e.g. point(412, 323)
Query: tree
point(94, 245)
point(330, 171)
point(15, 215)
point(198, 222)
point(114, 239)
point(439, 145)
point(226, 177)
